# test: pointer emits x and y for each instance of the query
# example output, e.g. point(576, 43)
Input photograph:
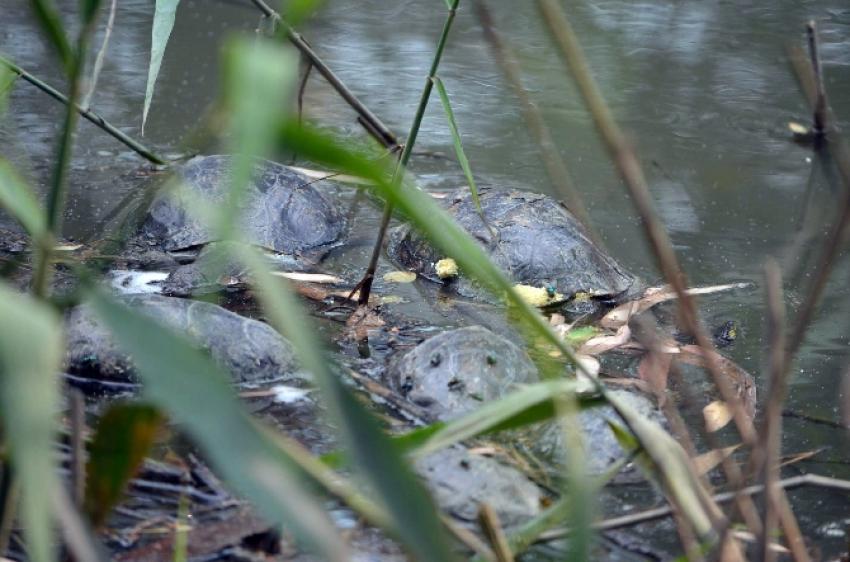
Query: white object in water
point(289, 394)
point(137, 282)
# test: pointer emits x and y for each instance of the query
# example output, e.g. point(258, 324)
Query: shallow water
point(704, 89)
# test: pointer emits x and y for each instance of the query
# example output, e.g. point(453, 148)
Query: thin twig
point(554, 165)
point(632, 174)
point(492, 527)
point(814, 480)
point(93, 117)
point(101, 54)
point(819, 116)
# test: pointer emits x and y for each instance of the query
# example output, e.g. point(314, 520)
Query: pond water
point(704, 90)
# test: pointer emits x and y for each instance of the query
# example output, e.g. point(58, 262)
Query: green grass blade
point(51, 22)
point(30, 357)
point(258, 75)
point(124, 436)
point(461, 155)
point(7, 82)
point(671, 466)
point(163, 23)
point(20, 202)
point(450, 238)
point(88, 10)
point(175, 374)
point(528, 405)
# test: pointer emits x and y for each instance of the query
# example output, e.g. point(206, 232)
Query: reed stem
point(91, 116)
point(365, 284)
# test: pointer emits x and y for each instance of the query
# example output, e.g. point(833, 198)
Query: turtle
point(462, 480)
point(296, 220)
point(251, 351)
point(536, 241)
point(457, 371)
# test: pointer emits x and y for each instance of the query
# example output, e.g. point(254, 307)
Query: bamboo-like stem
point(768, 451)
point(375, 126)
point(632, 174)
point(56, 195)
point(365, 284)
point(91, 116)
point(554, 165)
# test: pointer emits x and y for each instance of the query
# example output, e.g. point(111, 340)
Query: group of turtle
point(296, 221)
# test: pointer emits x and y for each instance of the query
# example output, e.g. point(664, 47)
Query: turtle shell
point(282, 209)
point(531, 237)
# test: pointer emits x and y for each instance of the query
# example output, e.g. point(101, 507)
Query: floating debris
point(446, 268)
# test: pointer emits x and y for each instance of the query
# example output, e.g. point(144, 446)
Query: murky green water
point(704, 89)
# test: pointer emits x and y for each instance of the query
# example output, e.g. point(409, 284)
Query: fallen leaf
point(601, 344)
point(655, 295)
point(798, 128)
point(654, 369)
point(717, 414)
point(307, 277)
point(707, 461)
point(400, 277)
point(446, 268)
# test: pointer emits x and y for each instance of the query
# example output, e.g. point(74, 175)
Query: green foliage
point(88, 11)
point(124, 436)
point(461, 155)
point(20, 202)
point(254, 92)
point(7, 82)
point(51, 22)
point(163, 23)
point(31, 351)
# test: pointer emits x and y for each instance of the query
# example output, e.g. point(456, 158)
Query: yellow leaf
point(797, 128)
point(399, 277)
point(716, 415)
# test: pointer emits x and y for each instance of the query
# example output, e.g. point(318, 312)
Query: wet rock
point(457, 371)
point(252, 352)
point(461, 481)
point(534, 239)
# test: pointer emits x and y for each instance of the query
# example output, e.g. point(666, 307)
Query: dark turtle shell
point(534, 240)
point(251, 351)
point(282, 210)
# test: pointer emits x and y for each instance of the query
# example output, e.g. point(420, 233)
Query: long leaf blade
point(258, 76)
point(48, 17)
point(30, 357)
point(163, 23)
point(458, 143)
point(124, 436)
point(20, 202)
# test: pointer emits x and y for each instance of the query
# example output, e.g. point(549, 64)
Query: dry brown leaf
point(400, 277)
point(707, 461)
point(654, 368)
point(655, 295)
point(601, 344)
point(742, 381)
point(716, 415)
point(798, 128)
